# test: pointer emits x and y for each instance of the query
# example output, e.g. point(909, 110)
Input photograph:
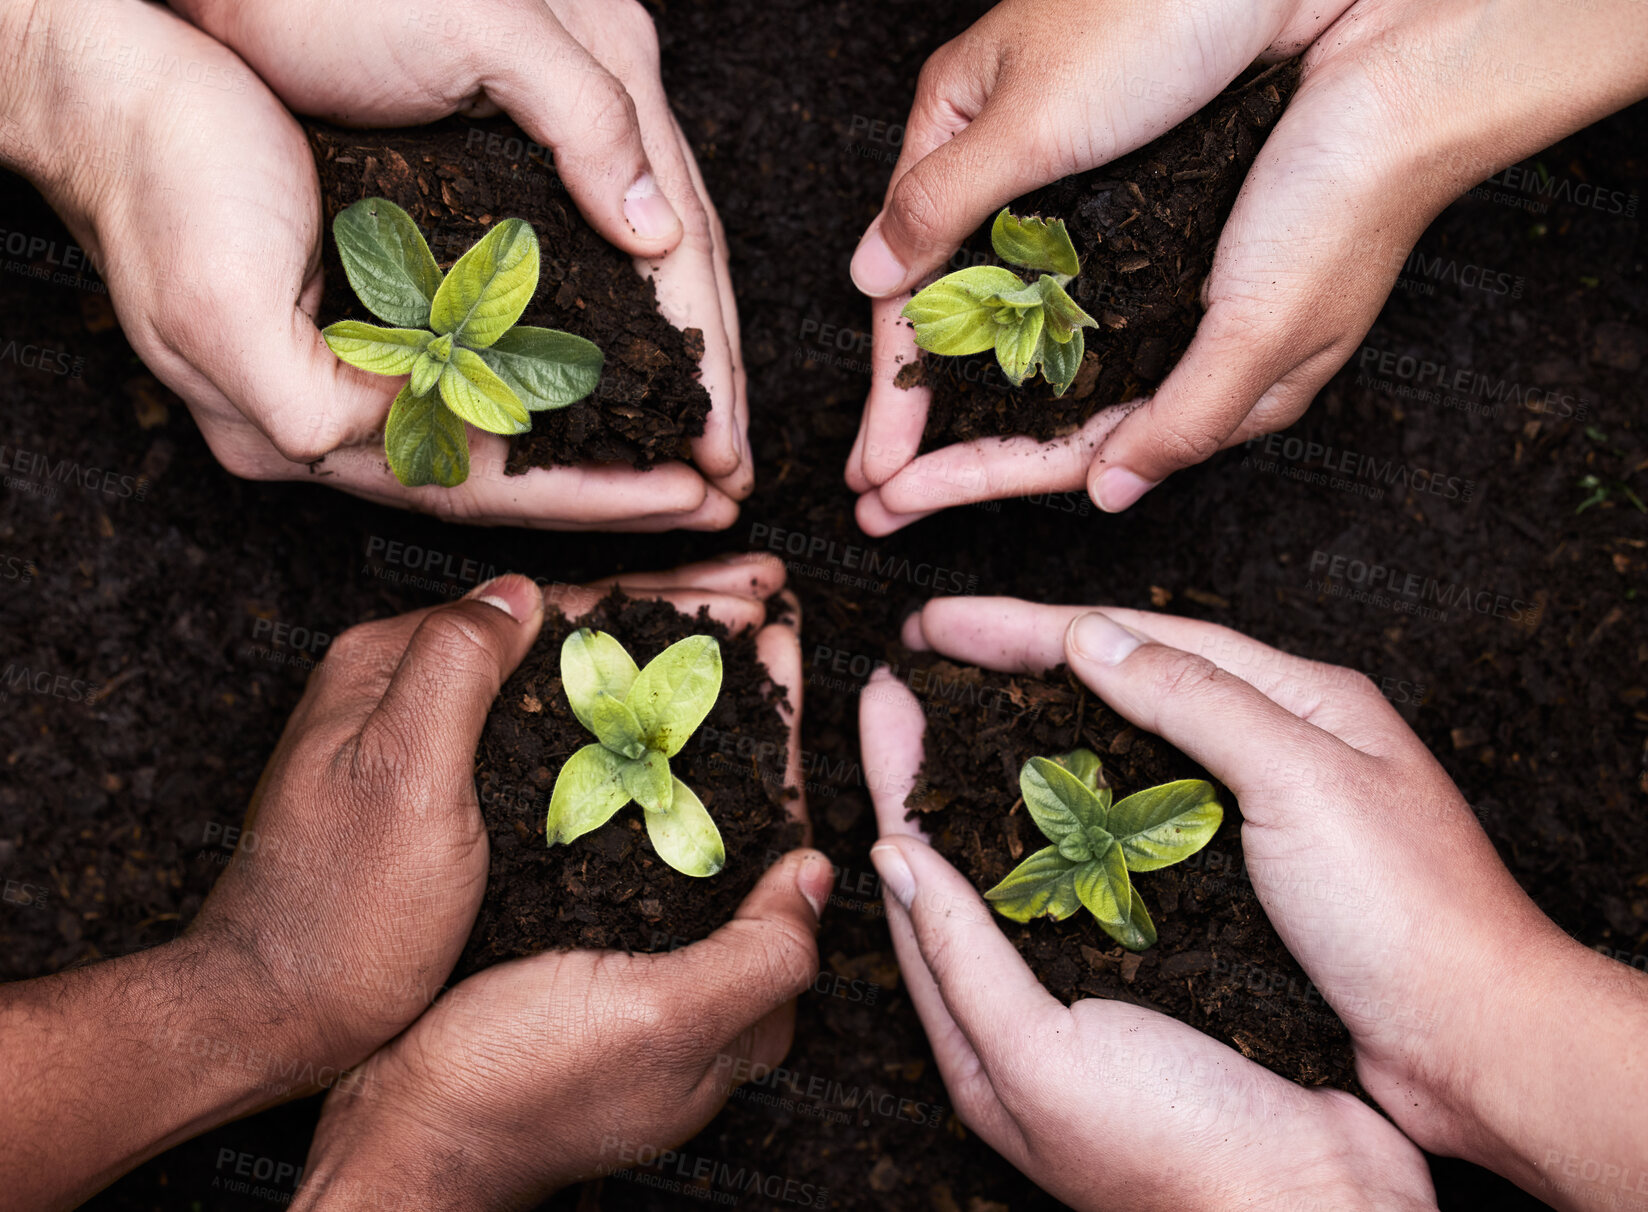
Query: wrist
point(35, 37)
point(1552, 1077)
point(376, 1147)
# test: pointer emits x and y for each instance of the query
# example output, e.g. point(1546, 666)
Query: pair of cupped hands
point(194, 190)
point(330, 941)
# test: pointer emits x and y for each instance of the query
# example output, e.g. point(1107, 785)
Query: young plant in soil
point(455, 335)
point(640, 718)
point(1097, 843)
point(1031, 325)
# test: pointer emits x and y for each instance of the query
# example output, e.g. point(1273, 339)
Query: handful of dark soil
point(1218, 964)
point(456, 179)
point(609, 888)
point(1145, 227)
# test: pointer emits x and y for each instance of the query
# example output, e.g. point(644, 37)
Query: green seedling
point(455, 336)
point(1031, 325)
point(1096, 843)
point(640, 718)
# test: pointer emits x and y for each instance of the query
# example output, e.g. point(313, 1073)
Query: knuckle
point(457, 640)
point(917, 211)
point(1185, 444)
point(1187, 674)
point(350, 648)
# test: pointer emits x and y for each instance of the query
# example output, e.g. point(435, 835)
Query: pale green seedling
point(455, 336)
point(1097, 843)
point(1031, 325)
point(640, 718)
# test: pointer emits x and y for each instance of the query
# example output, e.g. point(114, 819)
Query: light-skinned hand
point(1403, 105)
point(194, 192)
point(1373, 869)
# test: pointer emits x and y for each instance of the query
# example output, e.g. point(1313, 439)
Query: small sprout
point(1096, 843)
point(640, 718)
point(455, 336)
point(1031, 325)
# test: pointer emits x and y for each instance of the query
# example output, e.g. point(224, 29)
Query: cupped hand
point(571, 1064)
point(194, 192)
point(1401, 107)
point(1375, 873)
point(579, 76)
point(1104, 1104)
point(364, 854)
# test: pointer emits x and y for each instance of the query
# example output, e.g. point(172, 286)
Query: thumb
point(307, 401)
point(762, 959)
point(944, 196)
point(1237, 732)
point(431, 715)
point(565, 99)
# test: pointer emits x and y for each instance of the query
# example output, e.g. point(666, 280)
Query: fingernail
point(815, 880)
point(876, 272)
point(1100, 638)
point(894, 872)
point(1118, 488)
point(648, 211)
point(510, 594)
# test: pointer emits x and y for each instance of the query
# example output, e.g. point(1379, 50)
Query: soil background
point(195, 603)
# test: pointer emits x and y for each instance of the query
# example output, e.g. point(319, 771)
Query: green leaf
point(589, 789)
point(1065, 318)
point(381, 351)
point(1033, 295)
point(952, 316)
point(1043, 884)
point(616, 727)
point(387, 262)
point(1035, 243)
point(426, 372)
point(685, 837)
point(1059, 364)
point(1162, 825)
point(480, 397)
point(593, 663)
point(489, 287)
point(1016, 346)
point(648, 780)
point(1075, 847)
point(546, 368)
point(1085, 765)
point(1104, 887)
point(1059, 802)
point(1139, 932)
point(676, 690)
point(425, 441)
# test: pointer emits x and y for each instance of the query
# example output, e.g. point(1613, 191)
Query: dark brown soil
point(609, 889)
point(115, 811)
point(1217, 963)
point(458, 178)
point(1145, 226)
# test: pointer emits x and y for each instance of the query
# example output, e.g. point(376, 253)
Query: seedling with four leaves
point(455, 335)
point(1097, 843)
point(640, 718)
point(1031, 325)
